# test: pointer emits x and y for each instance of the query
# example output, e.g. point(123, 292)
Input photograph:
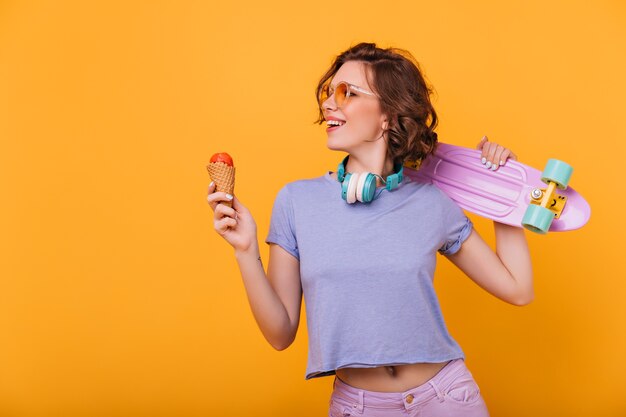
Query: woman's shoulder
point(306, 186)
point(423, 188)
point(428, 193)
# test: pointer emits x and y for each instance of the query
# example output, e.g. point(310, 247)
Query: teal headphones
point(362, 187)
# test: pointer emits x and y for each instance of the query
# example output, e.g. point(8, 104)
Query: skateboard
point(514, 194)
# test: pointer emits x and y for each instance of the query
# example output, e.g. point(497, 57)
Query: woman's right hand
point(235, 224)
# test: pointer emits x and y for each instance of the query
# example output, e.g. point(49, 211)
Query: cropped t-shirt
point(367, 271)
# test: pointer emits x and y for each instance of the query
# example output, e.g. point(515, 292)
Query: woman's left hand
point(494, 155)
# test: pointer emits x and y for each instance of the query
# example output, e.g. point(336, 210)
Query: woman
point(366, 269)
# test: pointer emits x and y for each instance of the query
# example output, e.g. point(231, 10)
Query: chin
point(333, 146)
point(337, 148)
point(336, 144)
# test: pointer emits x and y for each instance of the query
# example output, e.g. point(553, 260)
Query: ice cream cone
point(224, 177)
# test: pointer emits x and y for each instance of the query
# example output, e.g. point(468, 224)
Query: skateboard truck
point(413, 164)
point(555, 202)
point(545, 204)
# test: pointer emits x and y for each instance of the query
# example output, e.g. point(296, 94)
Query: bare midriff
point(397, 378)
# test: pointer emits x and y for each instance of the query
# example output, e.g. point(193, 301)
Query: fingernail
point(483, 160)
point(228, 196)
point(488, 164)
point(494, 167)
point(501, 162)
point(212, 182)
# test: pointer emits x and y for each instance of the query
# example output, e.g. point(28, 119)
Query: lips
point(333, 123)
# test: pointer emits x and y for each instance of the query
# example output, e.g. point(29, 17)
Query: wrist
point(251, 252)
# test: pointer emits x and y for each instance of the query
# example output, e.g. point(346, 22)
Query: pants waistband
point(407, 399)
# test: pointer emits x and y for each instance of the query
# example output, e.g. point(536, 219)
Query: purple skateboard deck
point(502, 195)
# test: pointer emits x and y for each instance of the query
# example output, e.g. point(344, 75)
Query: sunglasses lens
point(341, 92)
point(324, 94)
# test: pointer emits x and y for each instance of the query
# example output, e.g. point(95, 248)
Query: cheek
point(365, 120)
point(368, 125)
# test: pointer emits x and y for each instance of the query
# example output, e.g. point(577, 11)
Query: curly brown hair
point(404, 98)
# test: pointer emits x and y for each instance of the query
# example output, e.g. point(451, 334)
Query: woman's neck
point(374, 164)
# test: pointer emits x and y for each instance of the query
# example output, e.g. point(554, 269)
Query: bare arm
point(505, 273)
point(275, 298)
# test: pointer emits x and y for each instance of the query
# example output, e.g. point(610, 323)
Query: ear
point(385, 124)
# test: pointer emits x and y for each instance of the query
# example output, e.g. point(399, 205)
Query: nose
point(329, 103)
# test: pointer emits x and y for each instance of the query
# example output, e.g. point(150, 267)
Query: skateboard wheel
point(557, 172)
point(537, 219)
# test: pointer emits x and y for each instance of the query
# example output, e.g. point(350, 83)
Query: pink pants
point(452, 392)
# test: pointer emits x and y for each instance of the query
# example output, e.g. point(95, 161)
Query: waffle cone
point(224, 177)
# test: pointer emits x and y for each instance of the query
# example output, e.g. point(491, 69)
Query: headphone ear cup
point(359, 186)
point(369, 188)
point(351, 189)
point(366, 188)
point(344, 186)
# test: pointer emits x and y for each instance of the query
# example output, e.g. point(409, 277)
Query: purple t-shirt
point(367, 271)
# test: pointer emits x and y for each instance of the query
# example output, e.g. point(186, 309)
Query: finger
point(497, 157)
point(222, 210)
point(215, 198)
point(222, 226)
point(484, 143)
point(240, 209)
point(237, 208)
point(488, 151)
point(506, 154)
point(211, 187)
point(481, 143)
point(237, 204)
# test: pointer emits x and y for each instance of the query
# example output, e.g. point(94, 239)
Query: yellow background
point(117, 298)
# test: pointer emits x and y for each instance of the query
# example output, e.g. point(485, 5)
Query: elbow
point(282, 334)
point(282, 343)
point(523, 299)
point(280, 347)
